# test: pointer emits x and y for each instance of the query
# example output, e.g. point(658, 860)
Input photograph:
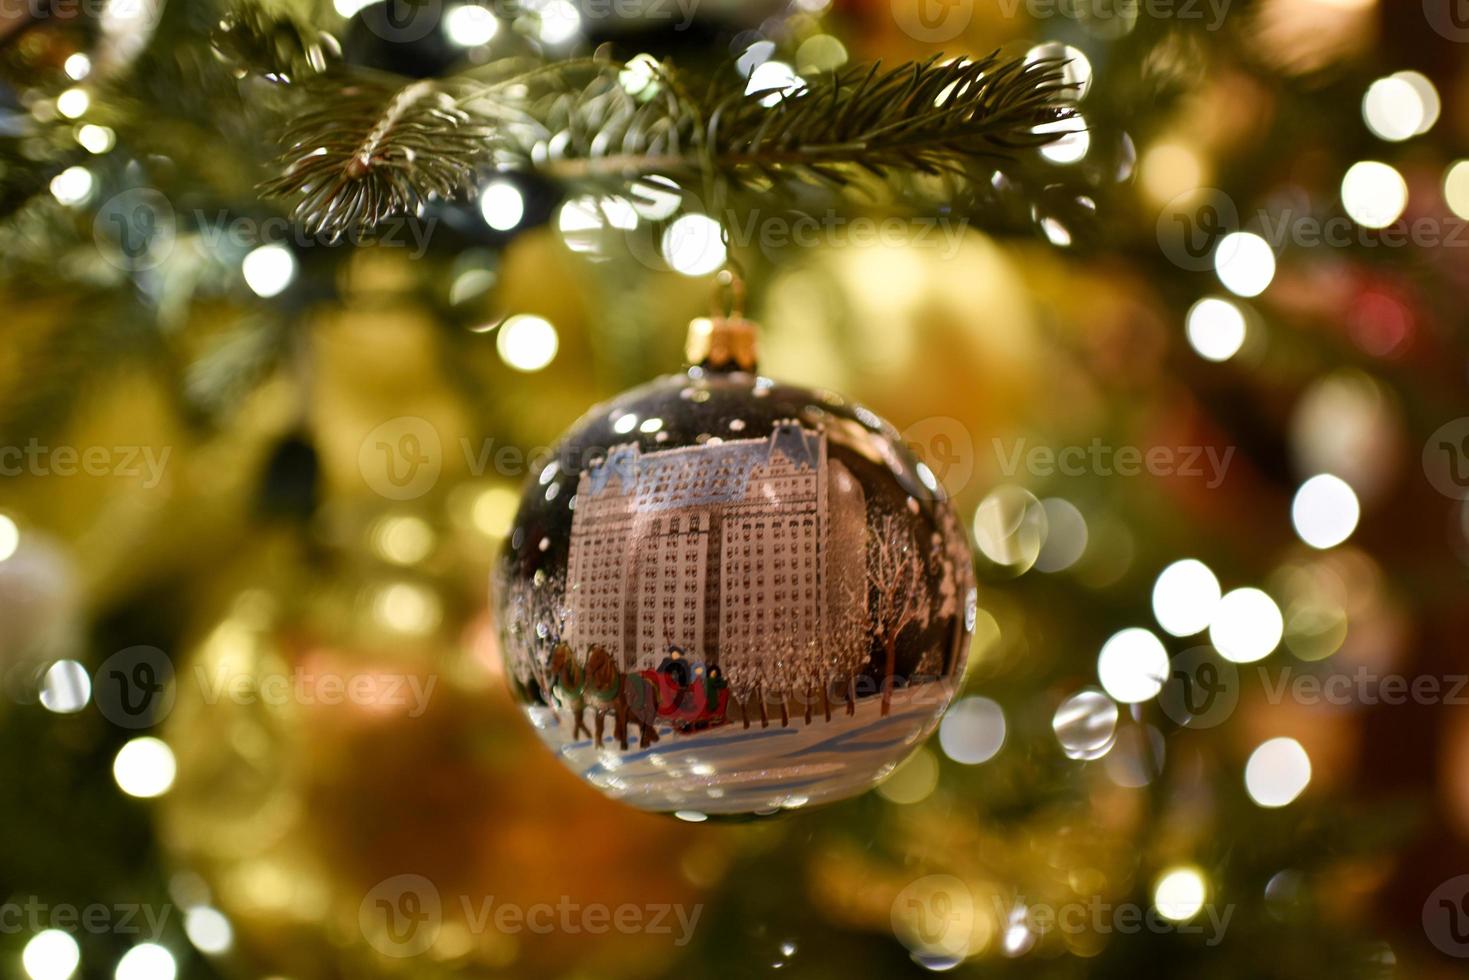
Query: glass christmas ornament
point(727, 595)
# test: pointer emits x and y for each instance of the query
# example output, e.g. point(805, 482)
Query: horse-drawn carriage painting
point(729, 604)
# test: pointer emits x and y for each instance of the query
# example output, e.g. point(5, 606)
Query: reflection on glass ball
point(724, 595)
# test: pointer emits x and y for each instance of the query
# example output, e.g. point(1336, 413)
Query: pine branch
point(371, 149)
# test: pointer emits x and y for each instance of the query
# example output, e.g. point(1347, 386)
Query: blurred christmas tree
point(1167, 294)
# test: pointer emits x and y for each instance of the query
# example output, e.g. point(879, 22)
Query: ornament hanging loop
point(725, 340)
point(729, 295)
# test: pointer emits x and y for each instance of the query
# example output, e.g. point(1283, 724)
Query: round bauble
point(726, 595)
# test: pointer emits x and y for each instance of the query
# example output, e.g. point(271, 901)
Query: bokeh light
point(1456, 188)
point(913, 781)
point(527, 343)
point(1247, 626)
point(72, 186)
point(1086, 724)
point(502, 205)
point(1179, 894)
point(269, 269)
point(9, 537)
point(1400, 106)
point(144, 767)
point(1374, 194)
point(1245, 263)
point(1071, 145)
point(1066, 536)
point(470, 25)
point(560, 21)
point(776, 78)
point(1325, 511)
point(73, 103)
point(208, 930)
point(1215, 328)
point(146, 961)
point(66, 688)
point(694, 245)
point(96, 139)
point(973, 731)
point(1277, 772)
point(1010, 527)
point(50, 955)
point(1185, 597)
point(1133, 665)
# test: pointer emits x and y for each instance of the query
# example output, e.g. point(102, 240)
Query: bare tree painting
point(896, 577)
point(537, 620)
point(848, 640)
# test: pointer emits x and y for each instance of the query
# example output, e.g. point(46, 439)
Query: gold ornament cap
point(725, 341)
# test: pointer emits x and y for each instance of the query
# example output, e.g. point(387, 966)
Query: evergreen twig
point(372, 149)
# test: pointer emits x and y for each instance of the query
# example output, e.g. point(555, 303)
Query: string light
point(775, 77)
point(144, 767)
point(973, 731)
point(1245, 263)
point(146, 961)
point(66, 688)
point(1179, 894)
point(694, 245)
point(470, 25)
point(1247, 626)
point(1374, 194)
point(1133, 665)
point(268, 270)
point(502, 205)
point(208, 930)
point(1325, 511)
point(1278, 771)
point(72, 186)
point(1185, 596)
point(527, 343)
point(50, 955)
point(1215, 329)
point(9, 537)
point(73, 103)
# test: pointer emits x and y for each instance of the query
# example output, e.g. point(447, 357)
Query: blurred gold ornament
point(361, 800)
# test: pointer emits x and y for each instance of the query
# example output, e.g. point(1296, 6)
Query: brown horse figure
point(568, 681)
point(604, 687)
point(629, 697)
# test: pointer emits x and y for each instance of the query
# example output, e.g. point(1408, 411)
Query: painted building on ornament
point(739, 552)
